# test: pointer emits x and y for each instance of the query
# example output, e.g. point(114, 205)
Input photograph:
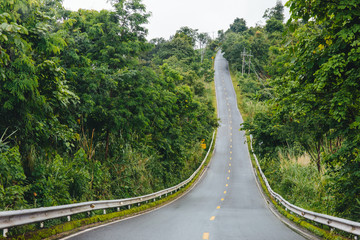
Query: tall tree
point(238, 26)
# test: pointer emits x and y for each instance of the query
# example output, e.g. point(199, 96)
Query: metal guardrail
point(21, 217)
point(333, 222)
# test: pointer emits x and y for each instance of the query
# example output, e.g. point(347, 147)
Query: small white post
point(41, 224)
point(5, 231)
point(69, 218)
point(129, 206)
point(104, 211)
point(118, 209)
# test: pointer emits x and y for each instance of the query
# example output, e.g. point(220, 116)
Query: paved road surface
point(226, 203)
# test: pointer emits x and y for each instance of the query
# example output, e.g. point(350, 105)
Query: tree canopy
point(93, 110)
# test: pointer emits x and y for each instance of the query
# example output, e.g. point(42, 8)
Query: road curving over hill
point(225, 204)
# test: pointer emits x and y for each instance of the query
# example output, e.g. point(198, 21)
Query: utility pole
point(243, 61)
point(244, 54)
point(249, 61)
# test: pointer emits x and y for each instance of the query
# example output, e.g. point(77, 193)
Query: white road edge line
point(140, 214)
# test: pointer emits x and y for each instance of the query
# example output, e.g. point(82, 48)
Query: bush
point(12, 180)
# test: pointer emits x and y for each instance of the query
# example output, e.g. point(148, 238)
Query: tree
point(274, 25)
point(191, 35)
point(203, 39)
point(276, 12)
point(323, 82)
point(238, 26)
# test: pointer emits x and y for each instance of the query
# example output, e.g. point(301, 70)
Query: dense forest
point(300, 98)
point(92, 110)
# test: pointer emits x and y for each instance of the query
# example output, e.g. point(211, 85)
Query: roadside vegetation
point(300, 101)
point(91, 110)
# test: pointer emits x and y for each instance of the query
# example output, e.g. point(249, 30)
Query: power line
point(251, 66)
point(245, 54)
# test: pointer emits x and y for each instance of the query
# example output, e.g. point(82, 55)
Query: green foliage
point(94, 112)
point(12, 180)
point(312, 104)
point(276, 12)
point(274, 25)
point(238, 26)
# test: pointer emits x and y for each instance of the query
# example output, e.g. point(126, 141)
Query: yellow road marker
point(224, 192)
point(222, 199)
point(229, 164)
point(228, 178)
point(230, 158)
point(206, 236)
point(230, 146)
point(230, 152)
point(212, 218)
point(230, 140)
point(226, 185)
point(229, 171)
point(218, 207)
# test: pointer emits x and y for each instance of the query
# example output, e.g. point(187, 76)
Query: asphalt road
point(225, 204)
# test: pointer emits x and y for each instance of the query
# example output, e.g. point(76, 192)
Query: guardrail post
point(138, 204)
point(89, 213)
point(104, 211)
point(118, 209)
point(41, 224)
point(129, 206)
point(355, 237)
point(5, 231)
point(69, 218)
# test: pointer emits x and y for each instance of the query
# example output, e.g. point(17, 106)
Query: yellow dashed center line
point(224, 192)
point(230, 152)
point(212, 218)
point(218, 207)
point(206, 236)
point(222, 199)
point(229, 164)
point(226, 185)
point(228, 178)
point(230, 146)
point(229, 171)
point(230, 158)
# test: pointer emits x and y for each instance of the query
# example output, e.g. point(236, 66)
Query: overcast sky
point(206, 15)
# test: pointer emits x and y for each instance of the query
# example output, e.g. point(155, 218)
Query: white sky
point(206, 15)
